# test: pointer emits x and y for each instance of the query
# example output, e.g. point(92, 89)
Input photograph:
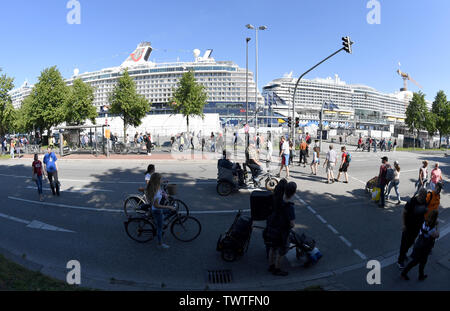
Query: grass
point(420, 149)
point(14, 277)
point(4, 156)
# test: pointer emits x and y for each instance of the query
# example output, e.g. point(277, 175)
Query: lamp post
point(249, 26)
point(246, 96)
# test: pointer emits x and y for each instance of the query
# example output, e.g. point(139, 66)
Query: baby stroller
point(372, 183)
point(304, 247)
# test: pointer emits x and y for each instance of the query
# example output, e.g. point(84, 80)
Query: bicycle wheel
point(132, 205)
point(140, 230)
point(271, 183)
point(181, 207)
point(224, 188)
point(186, 228)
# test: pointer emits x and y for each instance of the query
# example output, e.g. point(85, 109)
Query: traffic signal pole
point(346, 42)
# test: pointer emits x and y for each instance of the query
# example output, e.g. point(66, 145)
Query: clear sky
point(34, 34)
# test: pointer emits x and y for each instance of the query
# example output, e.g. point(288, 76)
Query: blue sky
point(35, 34)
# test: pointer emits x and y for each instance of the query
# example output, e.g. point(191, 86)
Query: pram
point(372, 183)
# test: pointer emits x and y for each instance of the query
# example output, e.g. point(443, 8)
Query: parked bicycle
point(183, 228)
point(132, 204)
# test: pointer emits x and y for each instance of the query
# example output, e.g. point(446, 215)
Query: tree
point(441, 111)
point(416, 113)
point(127, 103)
point(79, 104)
point(7, 114)
point(189, 97)
point(22, 121)
point(47, 100)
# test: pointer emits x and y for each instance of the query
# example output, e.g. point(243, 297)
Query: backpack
point(308, 141)
point(390, 174)
point(349, 157)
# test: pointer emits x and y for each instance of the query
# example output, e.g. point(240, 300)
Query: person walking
point(345, 162)
point(303, 147)
point(433, 199)
point(436, 176)
point(51, 167)
point(279, 225)
point(269, 149)
point(315, 160)
point(291, 152)
point(423, 246)
point(38, 172)
point(395, 145)
point(203, 143)
point(154, 195)
point(395, 182)
point(308, 142)
point(330, 162)
point(412, 219)
point(389, 145)
point(235, 141)
point(374, 143)
point(359, 144)
point(12, 147)
point(284, 154)
point(382, 180)
point(213, 142)
point(423, 176)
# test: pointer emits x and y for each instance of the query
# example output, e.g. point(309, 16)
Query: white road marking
point(35, 224)
point(333, 229)
point(345, 241)
point(357, 252)
point(75, 190)
point(321, 219)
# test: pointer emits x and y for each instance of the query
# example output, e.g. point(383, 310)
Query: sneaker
point(401, 265)
point(345, 182)
point(422, 277)
point(404, 276)
point(271, 268)
point(399, 202)
point(163, 246)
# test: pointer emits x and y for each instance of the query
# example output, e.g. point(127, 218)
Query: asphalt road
point(348, 227)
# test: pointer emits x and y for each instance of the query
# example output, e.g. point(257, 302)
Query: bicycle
point(183, 228)
point(132, 203)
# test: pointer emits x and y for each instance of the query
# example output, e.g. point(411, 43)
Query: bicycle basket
point(172, 189)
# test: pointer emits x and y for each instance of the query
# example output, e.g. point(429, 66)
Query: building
point(355, 106)
point(19, 94)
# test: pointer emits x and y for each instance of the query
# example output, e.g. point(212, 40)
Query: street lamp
point(250, 26)
point(246, 96)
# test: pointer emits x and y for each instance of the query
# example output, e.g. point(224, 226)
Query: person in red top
point(344, 165)
point(38, 172)
point(382, 181)
point(359, 143)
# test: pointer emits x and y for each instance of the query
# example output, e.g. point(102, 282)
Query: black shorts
point(344, 168)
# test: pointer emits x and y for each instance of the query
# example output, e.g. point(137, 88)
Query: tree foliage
point(127, 103)
point(7, 114)
point(189, 97)
point(79, 104)
point(441, 111)
point(417, 113)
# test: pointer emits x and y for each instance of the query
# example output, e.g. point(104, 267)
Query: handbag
point(376, 193)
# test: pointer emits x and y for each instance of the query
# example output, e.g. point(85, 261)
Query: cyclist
point(149, 172)
point(153, 194)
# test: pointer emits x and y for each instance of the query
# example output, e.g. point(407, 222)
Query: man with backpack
point(345, 162)
point(382, 179)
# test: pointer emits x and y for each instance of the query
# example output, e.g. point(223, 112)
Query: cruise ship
point(224, 82)
point(354, 105)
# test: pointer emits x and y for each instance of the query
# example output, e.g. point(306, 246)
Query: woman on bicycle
point(149, 172)
point(153, 194)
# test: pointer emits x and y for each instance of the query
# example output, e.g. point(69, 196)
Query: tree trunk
point(124, 132)
point(440, 139)
point(187, 123)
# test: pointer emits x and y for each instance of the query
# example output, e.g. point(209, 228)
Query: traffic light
point(347, 43)
point(297, 122)
point(289, 121)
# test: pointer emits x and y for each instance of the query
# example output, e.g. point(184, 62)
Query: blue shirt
point(49, 161)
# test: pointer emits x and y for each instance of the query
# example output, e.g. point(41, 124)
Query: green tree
point(79, 104)
point(47, 100)
point(7, 114)
point(127, 103)
point(189, 97)
point(441, 111)
point(416, 113)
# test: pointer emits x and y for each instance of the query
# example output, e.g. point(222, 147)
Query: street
point(86, 224)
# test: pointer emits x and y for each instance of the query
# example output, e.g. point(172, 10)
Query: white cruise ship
point(224, 82)
point(358, 106)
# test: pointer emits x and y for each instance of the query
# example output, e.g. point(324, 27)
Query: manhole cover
point(219, 276)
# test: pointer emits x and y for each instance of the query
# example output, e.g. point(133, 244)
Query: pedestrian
point(203, 143)
point(382, 180)
point(269, 149)
point(258, 143)
point(345, 162)
point(436, 176)
point(213, 142)
point(291, 152)
point(154, 195)
point(340, 140)
point(192, 142)
point(284, 154)
point(308, 142)
point(412, 219)
point(12, 148)
point(279, 225)
point(433, 199)
point(315, 160)
point(423, 246)
point(394, 183)
point(149, 172)
point(38, 172)
point(389, 145)
point(330, 162)
point(303, 147)
point(395, 145)
point(369, 142)
point(359, 143)
point(423, 176)
point(235, 141)
point(51, 167)
point(374, 142)
point(181, 148)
